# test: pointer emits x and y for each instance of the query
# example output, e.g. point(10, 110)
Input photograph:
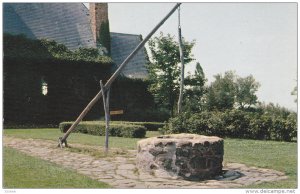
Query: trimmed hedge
point(235, 124)
point(150, 126)
point(98, 128)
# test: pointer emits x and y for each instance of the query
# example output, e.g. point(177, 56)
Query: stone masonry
point(191, 156)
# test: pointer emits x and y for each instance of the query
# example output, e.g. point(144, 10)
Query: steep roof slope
point(70, 24)
point(66, 23)
point(121, 46)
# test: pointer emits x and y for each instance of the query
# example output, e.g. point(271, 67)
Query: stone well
point(190, 156)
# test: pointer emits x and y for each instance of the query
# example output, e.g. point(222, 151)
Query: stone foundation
point(190, 156)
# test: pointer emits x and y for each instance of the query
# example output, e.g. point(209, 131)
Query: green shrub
point(176, 125)
point(235, 124)
point(283, 129)
point(150, 126)
point(202, 123)
point(98, 128)
point(291, 124)
point(260, 126)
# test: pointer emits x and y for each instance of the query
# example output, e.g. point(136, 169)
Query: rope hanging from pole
point(180, 98)
point(179, 26)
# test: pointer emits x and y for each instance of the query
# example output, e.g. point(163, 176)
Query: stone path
point(121, 171)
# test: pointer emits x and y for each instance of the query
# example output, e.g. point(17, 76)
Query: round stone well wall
point(190, 156)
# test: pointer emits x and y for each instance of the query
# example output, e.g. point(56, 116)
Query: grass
point(98, 153)
point(23, 171)
point(53, 134)
point(281, 156)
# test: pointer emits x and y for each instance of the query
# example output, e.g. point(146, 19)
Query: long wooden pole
point(179, 109)
point(62, 140)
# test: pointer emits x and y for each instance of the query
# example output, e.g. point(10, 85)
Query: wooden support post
point(106, 111)
point(107, 120)
point(61, 144)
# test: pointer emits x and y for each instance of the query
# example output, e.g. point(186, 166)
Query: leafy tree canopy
point(164, 70)
point(193, 96)
point(245, 91)
point(230, 90)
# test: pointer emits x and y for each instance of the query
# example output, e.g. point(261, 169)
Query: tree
point(164, 70)
point(221, 93)
point(245, 91)
point(274, 110)
point(193, 98)
point(295, 93)
point(230, 90)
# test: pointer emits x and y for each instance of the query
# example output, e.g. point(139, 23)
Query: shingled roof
point(69, 24)
point(66, 23)
point(121, 46)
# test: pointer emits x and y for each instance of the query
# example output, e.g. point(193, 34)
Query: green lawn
point(23, 171)
point(53, 134)
point(281, 156)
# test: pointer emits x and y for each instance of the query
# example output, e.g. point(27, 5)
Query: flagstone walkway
point(121, 172)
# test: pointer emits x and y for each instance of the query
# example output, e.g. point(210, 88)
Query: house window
point(44, 86)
